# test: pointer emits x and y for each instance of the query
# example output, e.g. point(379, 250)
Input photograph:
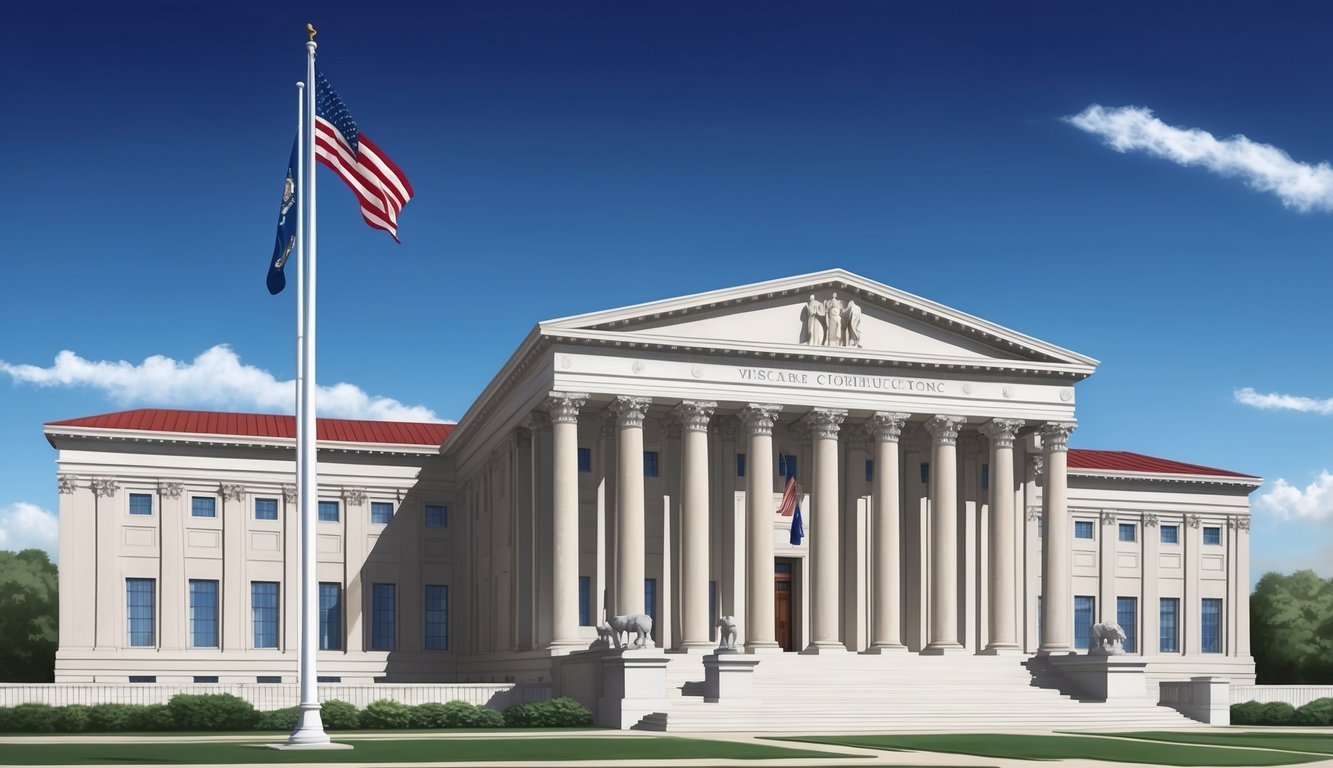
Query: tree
point(1291, 629)
point(28, 618)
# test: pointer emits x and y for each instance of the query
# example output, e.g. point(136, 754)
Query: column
point(629, 412)
point(944, 535)
point(524, 558)
point(886, 628)
point(693, 416)
point(759, 629)
point(1058, 539)
point(1003, 527)
point(1240, 607)
point(1150, 608)
point(109, 600)
point(564, 409)
point(855, 541)
point(823, 522)
point(606, 450)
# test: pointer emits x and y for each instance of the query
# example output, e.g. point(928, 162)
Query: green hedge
point(1318, 713)
point(224, 712)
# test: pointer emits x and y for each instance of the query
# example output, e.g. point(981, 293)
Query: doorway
point(782, 604)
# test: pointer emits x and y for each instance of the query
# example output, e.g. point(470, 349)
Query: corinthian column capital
point(944, 429)
point(694, 415)
point(885, 426)
point(759, 418)
point(1055, 435)
point(564, 406)
point(824, 423)
point(1001, 432)
point(630, 411)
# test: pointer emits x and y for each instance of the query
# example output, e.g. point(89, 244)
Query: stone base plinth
point(815, 649)
point(885, 649)
point(944, 649)
point(729, 676)
point(633, 685)
point(302, 747)
point(765, 648)
point(1105, 678)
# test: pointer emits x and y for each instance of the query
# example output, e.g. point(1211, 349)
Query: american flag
point(379, 185)
point(789, 493)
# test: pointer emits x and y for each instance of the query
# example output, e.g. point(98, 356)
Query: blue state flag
point(797, 527)
point(286, 240)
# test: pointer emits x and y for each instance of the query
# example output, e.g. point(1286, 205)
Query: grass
point(1296, 742)
point(399, 750)
point(1038, 747)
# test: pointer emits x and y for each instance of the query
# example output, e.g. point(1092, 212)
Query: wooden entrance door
point(782, 604)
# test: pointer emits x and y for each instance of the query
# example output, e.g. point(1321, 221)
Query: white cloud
point(1264, 167)
point(1277, 401)
point(28, 526)
point(214, 379)
point(1287, 502)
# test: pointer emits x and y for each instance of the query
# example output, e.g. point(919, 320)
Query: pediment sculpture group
point(831, 323)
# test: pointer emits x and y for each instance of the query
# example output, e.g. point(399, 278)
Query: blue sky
point(574, 156)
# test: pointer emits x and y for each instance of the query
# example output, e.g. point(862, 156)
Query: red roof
point(1124, 461)
point(264, 425)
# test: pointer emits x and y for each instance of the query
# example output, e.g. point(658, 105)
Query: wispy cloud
point(1264, 167)
point(1274, 401)
point(1287, 502)
point(215, 379)
point(28, 526)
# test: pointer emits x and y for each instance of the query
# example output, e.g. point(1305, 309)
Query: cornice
point(232, 441)
point(1162, 477)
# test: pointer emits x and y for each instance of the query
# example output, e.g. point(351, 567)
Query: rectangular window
point(437, 618)
point(1085, 608)
point(143, 678)
point(870, 470)
point(328, 511)
point(1083, 529)
point(985, 477)
point(650, 602)
point(925, 471)
point(330, 616)
point(268, 679)
point(1041, 527)
point(1128, 532)
point(437, 517)
point(264, 613)
point(384, 621)
point(1169, 625)
point(328, 678)
point(266, 509)
point(1210, 626)
point(203, 506)
point(141, 611)
point(1212, 534)
point(1127, 616)
point(141, 504)
point(740, 465)
point(203, 613)
point(205, 678)
point(585, 459)
point(786, 466)
point(1170, 534)
point(381, 512)
point(650, 463)
point(585, 601)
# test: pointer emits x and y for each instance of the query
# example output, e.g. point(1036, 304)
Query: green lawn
point(1038, 747)
point(1297, 742)
point(396, 750)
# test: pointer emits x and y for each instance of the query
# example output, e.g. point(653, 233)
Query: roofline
point(54, 432)
point(1168, 477)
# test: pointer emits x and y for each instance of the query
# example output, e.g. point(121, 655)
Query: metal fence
point(1295, 695)
point(277, 695)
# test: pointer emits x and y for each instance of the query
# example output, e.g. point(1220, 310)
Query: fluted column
point(564, 409)
point(825, 597)
point(693, 416)
point(1003, 527)
point(1056, 573)
point(886, 627)
point(759, 629)
point(629, 413)
point(944, 535)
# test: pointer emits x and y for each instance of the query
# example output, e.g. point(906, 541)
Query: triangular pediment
point(830, 314)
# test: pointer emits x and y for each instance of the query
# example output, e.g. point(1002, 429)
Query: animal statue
point(726, 637)
point(641, 624)
point(1107, 639)
point(605, 637)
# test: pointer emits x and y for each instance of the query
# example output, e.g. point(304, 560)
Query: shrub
point(454, 714)
point(112, 717)
point(33, 718)
point(1247, 713)
point(1276, 713)
point(72, 718)
point(430, 715)
point(488, 718)
point(278, 719)
point(340, 716)
point(1318, 712)
point(6, 719)
point(154, 718)
point(563, 712)
point(212, 712)
point(386, 714)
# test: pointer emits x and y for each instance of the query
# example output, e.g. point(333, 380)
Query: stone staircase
point(848, 692)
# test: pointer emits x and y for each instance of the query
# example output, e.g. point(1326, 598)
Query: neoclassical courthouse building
point(634, 460)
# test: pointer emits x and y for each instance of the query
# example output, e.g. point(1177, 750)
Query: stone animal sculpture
point(1107, 639)
point(726, 637)
point(605, 637)
point(641, 624)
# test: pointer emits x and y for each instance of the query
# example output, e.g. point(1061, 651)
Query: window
point(264, 613)
point(203, 613)
point(1212, 534)
point(268, 679)
point(437, 618)
point(203, 506)
point(1083, 529)
point(925, 471)
point(985, 477)
point(1210, 626)
point(266, 509)
point(650, 463)
point(143, 678)
point(1128, 532)
point(1170, 534)
point(585, 459)
point(1169, 625)
point(328, 678)
point(1041, 526)
point(328, 511)
point(786, 466)
point(381, 512)
point(1085, 607)
point(205, 678)
point(330, 616)
point(740, 465)
point(141, 610)
point(650, 601)
point(437, 517)
point(141, 504)
point(585, 601)
point(1127, 616)
point(383, 618)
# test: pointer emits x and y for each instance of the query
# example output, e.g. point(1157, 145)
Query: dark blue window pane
point(141, 605)
point(1212, 535)
point(203, 613)
point(870, 470)
point(1170, 534)
point(141, 504)
point(330, 616)
point(740, 465)
point(925, 472)
point(437, 618)
point(1128, 532)
point(985, 477)
point(585, 601)
point(264, 613)
point(205, 678)
point(268, 679)
point(1083, 529)
point(1127, 616)
point(585, 459)
point(203, 506)
point(650, 602)
point(650, 463)
point(383, 617)
point(381, 512)
point(1210, 628)
point(437, 517)
point(266, 509)
point(1169, 626)
point(1041, 527)
point(786, 466)
point(328, 511)
point(143, 678)
point(1085, 607)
